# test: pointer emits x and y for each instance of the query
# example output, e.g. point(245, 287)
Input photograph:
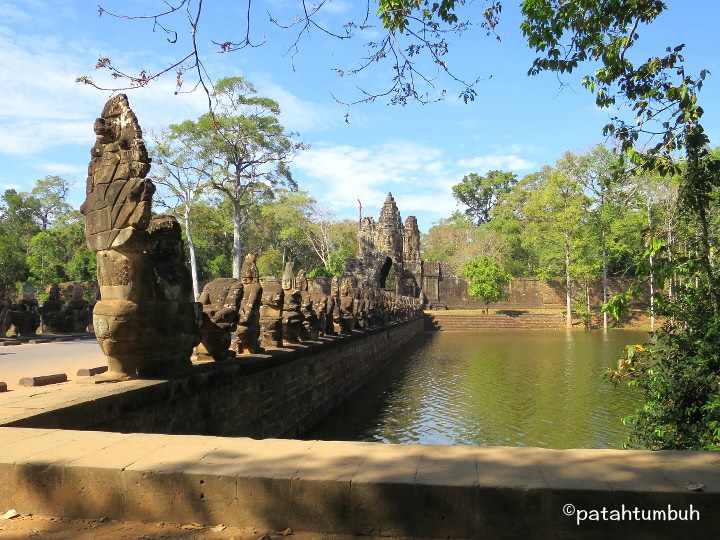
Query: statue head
point(165, 231)
point(345, 286)
point(288, 277)
point(249, 272)
point(334, 286)
point(54, 291)
point(301, 280)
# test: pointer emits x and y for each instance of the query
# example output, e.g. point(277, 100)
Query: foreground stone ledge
point(351, 487)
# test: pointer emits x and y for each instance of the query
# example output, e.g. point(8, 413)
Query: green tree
point(487, 280)
point(270, 262)
point(51, 193)
point(211, 223)
point(19, 215)
point(60, 253)
point(594, 170)
point(181, 181)
point(457, 241)
point(13, 267)
point(242, 149)
point(481, 193)
point(555, 216)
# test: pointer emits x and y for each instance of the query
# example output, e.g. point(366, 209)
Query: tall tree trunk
point(568, 295)
point(604, 280)
point(191, 249)
point(237, 241)
point(588, 320)
point(705, 258)
point(652, 270)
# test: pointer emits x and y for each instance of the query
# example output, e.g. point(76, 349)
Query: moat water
point(510, 388)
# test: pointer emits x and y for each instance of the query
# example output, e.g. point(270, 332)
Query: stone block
point(88, 372)
point(44, 380)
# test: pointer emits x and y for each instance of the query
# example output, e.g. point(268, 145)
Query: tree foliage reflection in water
point(514, 388)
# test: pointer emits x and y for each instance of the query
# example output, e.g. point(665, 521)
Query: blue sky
point(418, 152)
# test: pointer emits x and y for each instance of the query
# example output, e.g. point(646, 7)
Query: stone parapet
point(356, 488)
point(281, 393)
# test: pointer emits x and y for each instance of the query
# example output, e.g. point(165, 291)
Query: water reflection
point(517, 388)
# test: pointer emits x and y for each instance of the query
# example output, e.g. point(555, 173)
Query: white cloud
point(498, 161)
point(416, 174)
point(59, 168)
point(297, 114)
point(44, 108)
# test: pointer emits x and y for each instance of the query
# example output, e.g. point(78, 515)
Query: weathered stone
point(388, 245)
point(116, 198)
point(146, 320)
point(271, 307)
point(22, 318)
point(65, 310)
point(177, 327)
point(335, 312)
point(78, 314)
point(311, 323)
point(292, 319)
point(347, 309)
point(248, 326)
point(320, 302)
point(220, 300)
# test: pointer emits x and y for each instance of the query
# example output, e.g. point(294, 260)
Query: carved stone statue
point(320, 306)
point(331, 306)
point(52, 312)
point(248, 327)
point(146, 314)
point(347, 305)
point(220, 300)
point(271, 307)
point(292, 319)
point(5, 308)
point(361, 321)
point(368, 295)
point(177, 327)
point(23, 318)
point(310, 326)
point(65, 310)
point(77, 311)
point(335, 301)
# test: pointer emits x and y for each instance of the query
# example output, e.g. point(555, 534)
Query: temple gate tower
point(387, 244)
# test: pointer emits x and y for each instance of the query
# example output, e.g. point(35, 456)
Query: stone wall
point(279, 394)
point(458, 321)
point(443, 287)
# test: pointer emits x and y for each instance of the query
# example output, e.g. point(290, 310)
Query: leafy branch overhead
point(415, 42)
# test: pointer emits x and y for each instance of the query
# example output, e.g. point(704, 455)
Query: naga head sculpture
point(118, 194)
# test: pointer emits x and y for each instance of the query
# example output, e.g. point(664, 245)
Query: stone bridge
point(167, 436)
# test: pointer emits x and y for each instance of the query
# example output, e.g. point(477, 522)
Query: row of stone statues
point(147, 321)
point(65, 310)
point(268, 314)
